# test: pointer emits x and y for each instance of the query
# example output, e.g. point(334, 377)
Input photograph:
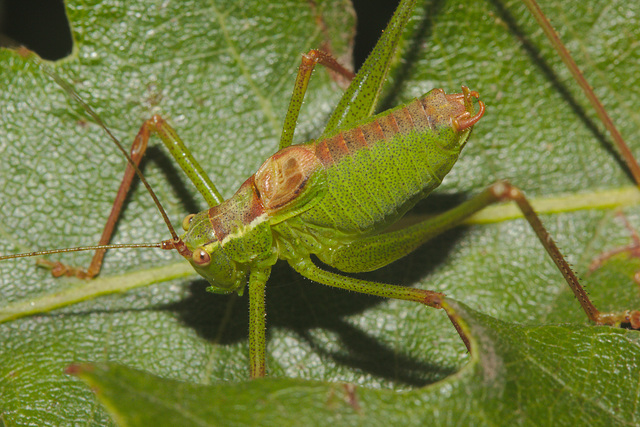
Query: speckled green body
point(374, 173)
point(373, 185)
point(320, 197)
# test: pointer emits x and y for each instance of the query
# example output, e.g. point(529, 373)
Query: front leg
point(257, 322)
point(183, 157)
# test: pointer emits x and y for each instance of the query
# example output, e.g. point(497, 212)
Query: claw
point(465, 120)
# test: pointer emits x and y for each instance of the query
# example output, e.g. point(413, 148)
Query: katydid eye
point(201, 257)
point(187, 221)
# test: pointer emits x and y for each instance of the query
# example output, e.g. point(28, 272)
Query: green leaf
point(221, 73)
point(509, 361)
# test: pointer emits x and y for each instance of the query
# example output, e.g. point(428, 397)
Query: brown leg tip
point(434, 300)
point(59, 270)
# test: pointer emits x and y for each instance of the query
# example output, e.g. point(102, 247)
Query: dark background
point(42, 26)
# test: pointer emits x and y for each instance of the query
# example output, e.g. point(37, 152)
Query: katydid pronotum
point(257, 364)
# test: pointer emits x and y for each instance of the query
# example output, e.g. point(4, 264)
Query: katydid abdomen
point(376, 171)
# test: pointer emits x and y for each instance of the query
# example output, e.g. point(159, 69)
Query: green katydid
point(258, 365)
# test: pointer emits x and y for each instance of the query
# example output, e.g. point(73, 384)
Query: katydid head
point(205, 253)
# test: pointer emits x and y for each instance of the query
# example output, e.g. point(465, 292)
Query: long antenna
point(161, 245)
point(26, 53)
